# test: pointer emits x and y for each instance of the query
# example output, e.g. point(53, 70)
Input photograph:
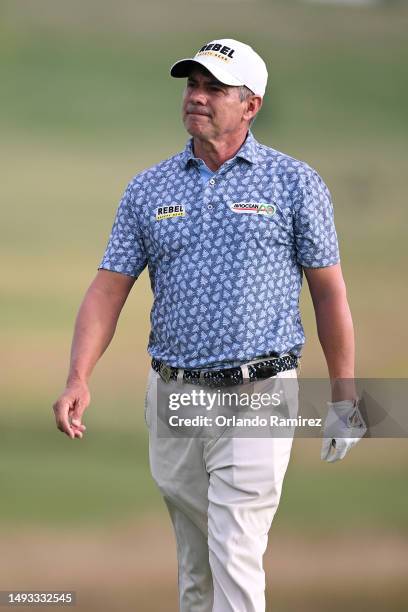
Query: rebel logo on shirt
point(167, 212)
point(258, 208)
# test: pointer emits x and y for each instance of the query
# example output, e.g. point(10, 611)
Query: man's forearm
point(94, 328)
point(336, 335)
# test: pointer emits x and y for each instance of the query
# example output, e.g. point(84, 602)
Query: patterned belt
point(229, 376)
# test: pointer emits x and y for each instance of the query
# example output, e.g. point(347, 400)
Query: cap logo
point(216, 50)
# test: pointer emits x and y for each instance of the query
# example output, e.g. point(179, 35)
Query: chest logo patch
point(258, 208)
point(167, 212)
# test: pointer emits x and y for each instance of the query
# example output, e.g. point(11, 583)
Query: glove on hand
point(343, 428)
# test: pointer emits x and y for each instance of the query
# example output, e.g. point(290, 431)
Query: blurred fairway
point(86, 103)
point(49, 480)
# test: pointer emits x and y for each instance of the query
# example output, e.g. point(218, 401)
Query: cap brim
point(182, 69)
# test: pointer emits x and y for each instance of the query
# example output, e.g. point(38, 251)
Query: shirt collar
point(247, 152)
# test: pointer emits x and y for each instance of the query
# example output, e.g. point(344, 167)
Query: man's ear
point(253, 105)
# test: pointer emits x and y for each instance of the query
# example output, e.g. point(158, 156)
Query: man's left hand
point(343, 428)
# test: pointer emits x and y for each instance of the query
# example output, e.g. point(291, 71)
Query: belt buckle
point(165, 372)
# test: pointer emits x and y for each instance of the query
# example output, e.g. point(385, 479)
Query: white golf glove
point(343, 428)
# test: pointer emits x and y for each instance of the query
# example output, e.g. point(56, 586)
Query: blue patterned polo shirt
point(225, 256)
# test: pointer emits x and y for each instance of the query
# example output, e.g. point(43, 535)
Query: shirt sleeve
point(125, 252)
point(315, 233)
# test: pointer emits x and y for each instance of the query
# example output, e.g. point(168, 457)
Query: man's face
point(210, 108)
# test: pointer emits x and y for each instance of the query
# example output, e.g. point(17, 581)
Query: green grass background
point(86, 102)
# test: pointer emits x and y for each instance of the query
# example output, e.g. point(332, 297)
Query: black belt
point(229, 376)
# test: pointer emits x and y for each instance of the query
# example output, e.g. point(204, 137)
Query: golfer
point(227, 229)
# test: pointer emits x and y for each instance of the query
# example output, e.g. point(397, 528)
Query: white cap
point(230, 61)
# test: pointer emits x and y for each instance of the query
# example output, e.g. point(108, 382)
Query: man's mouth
point(197, 112)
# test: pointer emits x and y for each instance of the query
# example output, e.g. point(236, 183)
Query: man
point(226, 228)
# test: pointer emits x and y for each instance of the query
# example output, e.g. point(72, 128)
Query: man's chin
point(194, 129)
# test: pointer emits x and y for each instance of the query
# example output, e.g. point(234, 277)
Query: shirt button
point(210, 206)
point(212, 181)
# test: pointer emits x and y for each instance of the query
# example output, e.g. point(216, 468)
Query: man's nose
point(197, 96)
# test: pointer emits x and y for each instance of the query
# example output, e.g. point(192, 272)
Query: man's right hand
point(69, 408)
point(94, 329)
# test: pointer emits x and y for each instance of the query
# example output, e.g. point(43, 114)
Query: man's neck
point(215, 153)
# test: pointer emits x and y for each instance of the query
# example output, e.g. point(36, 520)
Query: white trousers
point(222, 494)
